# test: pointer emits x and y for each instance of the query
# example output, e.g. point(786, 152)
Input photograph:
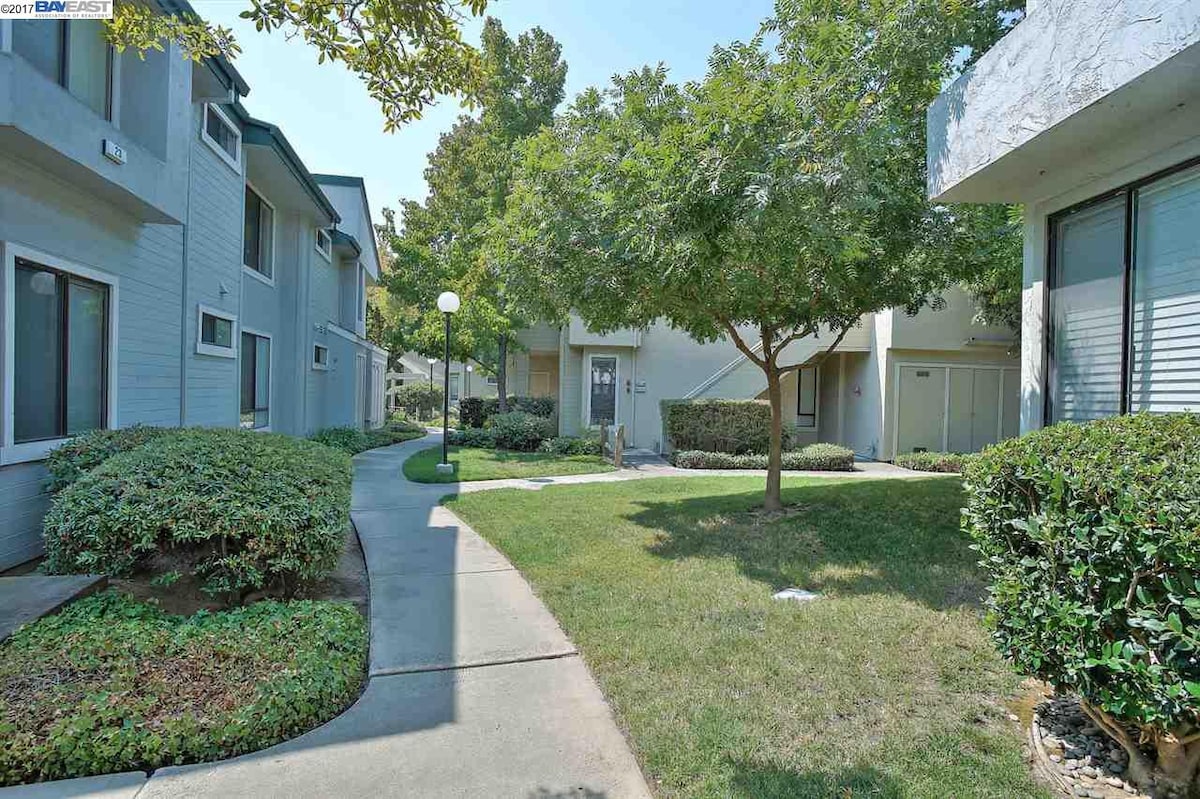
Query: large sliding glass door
point(1124, 306)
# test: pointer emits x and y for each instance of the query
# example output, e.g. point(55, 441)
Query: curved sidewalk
point(474, 690)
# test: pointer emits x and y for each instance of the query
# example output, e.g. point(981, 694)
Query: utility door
point(922, 404)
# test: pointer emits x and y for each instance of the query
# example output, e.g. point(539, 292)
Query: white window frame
point(11, 452)
point(316, 365)
point(233, 163)
point(816, 414)
point(587, 390)
point(250, 270)
point(492, 380)
point(204, 348)
point(326, 253)
point(270, 380)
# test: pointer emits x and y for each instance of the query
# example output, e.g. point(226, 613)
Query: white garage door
point(955, 408)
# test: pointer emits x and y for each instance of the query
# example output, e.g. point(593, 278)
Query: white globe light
point(448, 302)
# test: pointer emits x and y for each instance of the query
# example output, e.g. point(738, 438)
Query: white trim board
point(11, 452)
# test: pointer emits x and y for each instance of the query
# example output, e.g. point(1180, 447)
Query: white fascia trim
point(11, 452)
point(233, 163)
point(212, 349)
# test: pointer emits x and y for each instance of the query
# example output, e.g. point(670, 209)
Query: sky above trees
point(336, 127)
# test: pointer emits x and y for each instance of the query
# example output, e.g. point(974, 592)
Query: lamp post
point(470, 369)
point(447, 303)
point(432, 361)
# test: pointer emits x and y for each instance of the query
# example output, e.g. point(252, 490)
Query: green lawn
point(888, 687)
point(486, 464)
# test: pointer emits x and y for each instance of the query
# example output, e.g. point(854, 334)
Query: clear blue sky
point(335, 127)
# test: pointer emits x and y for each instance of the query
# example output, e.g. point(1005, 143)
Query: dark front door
point(604, 391)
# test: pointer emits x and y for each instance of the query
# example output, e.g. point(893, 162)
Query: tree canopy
point(407, 52)
point(784, 194)
point(450, 240)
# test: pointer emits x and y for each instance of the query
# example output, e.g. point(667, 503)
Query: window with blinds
point(1125, 331)
point(1165, 318)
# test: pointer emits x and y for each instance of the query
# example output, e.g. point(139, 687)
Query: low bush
point(717, 425)
point(473, 437)
point(240, 511)
point(418, 400)
point(814, 457)
point(571, 445)
point(85, 452)
point(932, 461)
point(354, 441)
point(520, 431)
point(111, 684)
point(1089, 536)
point(478, 411)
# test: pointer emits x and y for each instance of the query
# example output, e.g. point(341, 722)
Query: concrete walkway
point(474, 690)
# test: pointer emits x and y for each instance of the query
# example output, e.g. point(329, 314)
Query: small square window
point(222, 136)
point(216, 333)
point(324, 243)
point(492, 380)
point(320, 357)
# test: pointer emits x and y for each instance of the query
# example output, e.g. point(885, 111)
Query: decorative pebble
point(1092, 764)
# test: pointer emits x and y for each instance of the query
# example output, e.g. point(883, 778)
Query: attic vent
point(923, 373)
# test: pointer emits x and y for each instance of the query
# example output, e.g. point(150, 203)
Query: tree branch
point(820, 356)
point(1115, 731)
point(731, 331)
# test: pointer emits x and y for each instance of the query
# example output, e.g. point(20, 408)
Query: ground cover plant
point(237, 510)
point(354, 440)
point(489, 464)
point(886, 687)
point(948, 462)
point(814, 457)
point(1089, 535)
point(112, 684)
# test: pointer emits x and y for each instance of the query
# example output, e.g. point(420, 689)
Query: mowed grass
point(887, 687)
point(486, 464)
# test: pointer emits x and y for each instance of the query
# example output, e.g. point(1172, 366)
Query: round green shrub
point(85, 452)
point(519, 431)
point(571, 445)
point(1091, 537)
point(421, 400)
point(240, 510)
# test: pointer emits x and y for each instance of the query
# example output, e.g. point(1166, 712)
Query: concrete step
point(28, 598)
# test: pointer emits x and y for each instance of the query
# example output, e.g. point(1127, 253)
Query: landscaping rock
point(1076, 755)
point(797, 595)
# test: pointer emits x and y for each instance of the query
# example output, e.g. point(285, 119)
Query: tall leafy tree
point(451, 239)
point(407, 52)
point(781, 198)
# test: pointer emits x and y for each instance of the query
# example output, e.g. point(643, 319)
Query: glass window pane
point(1086, 313)
point(1165, 365)
point(216, 331)
point(262, 382)
point(250, 241)
point(225, 136)
point(40, 42)
point(247, 378)
point(87, 63)
point(265, 227)
point(806, 397)
point(37, 361)
point(87, 306)
point(603, 381)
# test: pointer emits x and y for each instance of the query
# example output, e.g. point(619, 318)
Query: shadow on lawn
point(839, 538)
point(762, 781)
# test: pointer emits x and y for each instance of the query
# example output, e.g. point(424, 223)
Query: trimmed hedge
point(111, 684)
point(521, 431)
point(571, 445)
point(86, 451)
point(478, 411)
point(354, 441)
point(473, 437)
point(240, 510)
point(1091, 537)
point(814, 457)
point(948, 462)
point(736, 427)
point(419, 399)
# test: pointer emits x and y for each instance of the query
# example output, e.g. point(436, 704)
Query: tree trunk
point(1175, 768)
point(502, 373)
point(773, 499)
